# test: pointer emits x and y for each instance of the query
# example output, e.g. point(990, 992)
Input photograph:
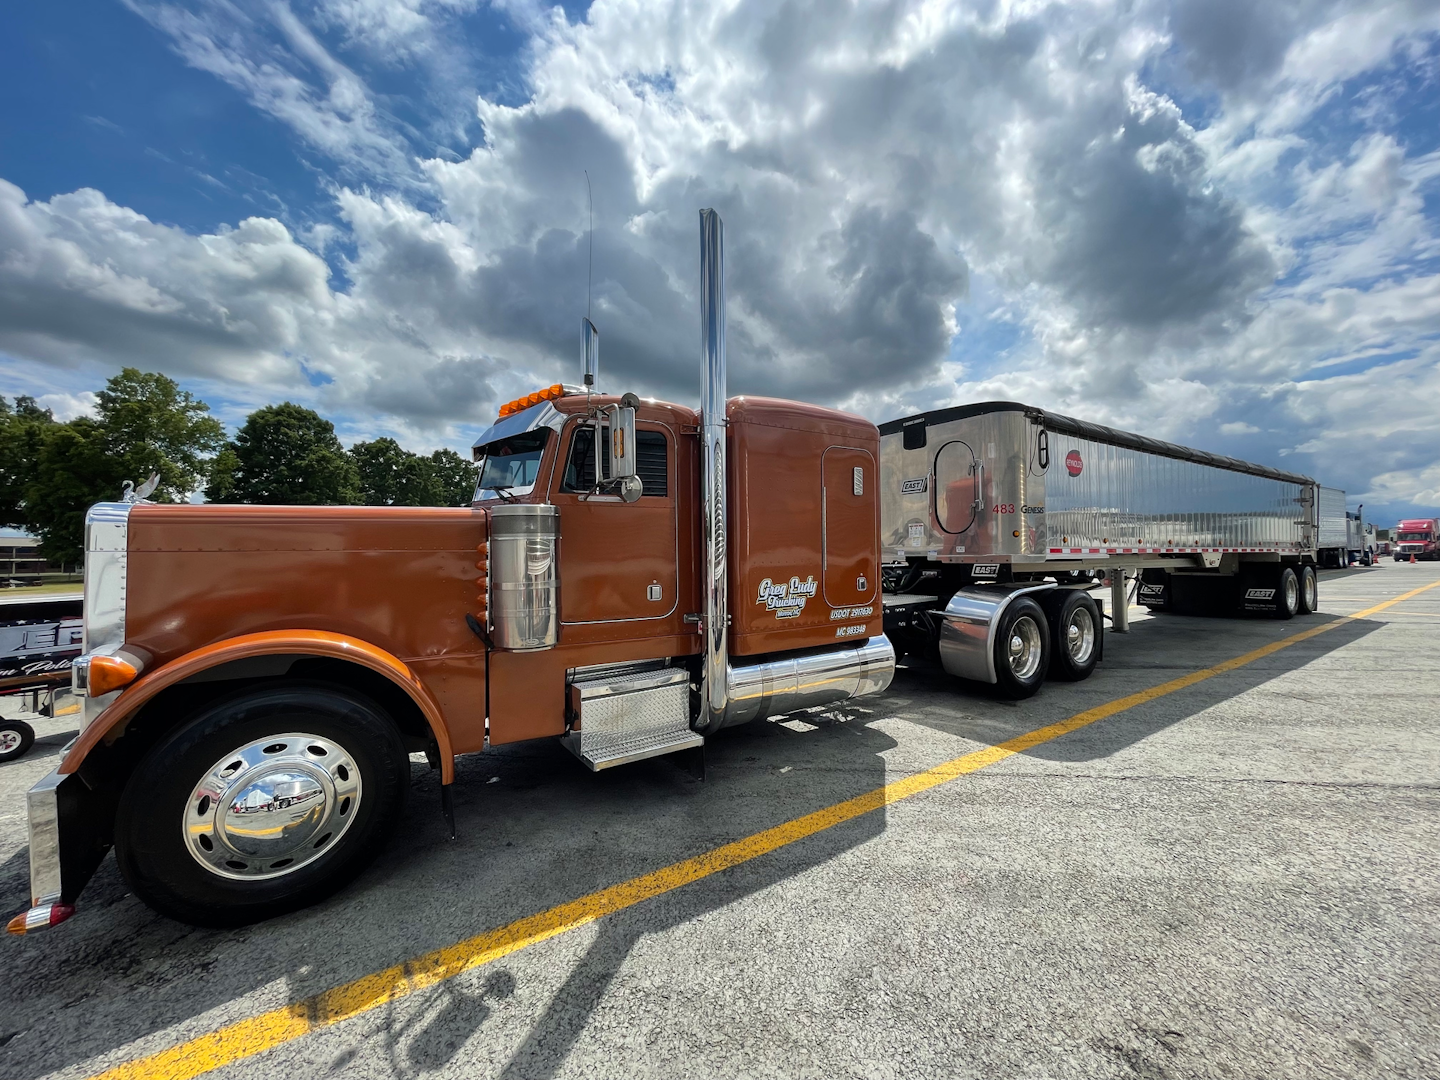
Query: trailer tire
point(1309, 590)
point(192, 858)
point(1022, 649)
point(16, 737)
point(1287, 593)
point(1076, 634)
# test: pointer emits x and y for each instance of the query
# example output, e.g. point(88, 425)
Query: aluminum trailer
point(998, 518)
point(1332, 536)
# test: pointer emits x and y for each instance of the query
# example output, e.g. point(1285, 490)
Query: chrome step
point(628, 715)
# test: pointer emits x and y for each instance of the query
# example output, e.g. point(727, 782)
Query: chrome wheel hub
point(9, 741)
point(1292, 593)
point(271, 806)
point(1023, 649)
point(1311, 599)
point(1080, 635)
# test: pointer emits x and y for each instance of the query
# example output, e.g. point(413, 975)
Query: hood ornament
point(131, 494)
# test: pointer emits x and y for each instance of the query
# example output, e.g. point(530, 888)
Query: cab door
point(619, 562)
point(851, 526)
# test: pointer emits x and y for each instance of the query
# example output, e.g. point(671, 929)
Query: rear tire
point(315, 781)
point(1287, 593)
point(1022, 649)
point(16, 738)
point(1309, 590)
point(1076, 634)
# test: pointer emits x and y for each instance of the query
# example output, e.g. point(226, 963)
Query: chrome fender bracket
point(967, 629)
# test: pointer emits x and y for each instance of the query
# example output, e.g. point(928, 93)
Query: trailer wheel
point(1022, 649)
point(1287, 593)
point(1075, 634)
point(16, 737)
point(1309, 590)
point(262, 803)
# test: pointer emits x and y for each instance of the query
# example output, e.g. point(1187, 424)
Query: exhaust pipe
point(715, 618)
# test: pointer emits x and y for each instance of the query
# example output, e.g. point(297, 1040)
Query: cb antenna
point(590, 354)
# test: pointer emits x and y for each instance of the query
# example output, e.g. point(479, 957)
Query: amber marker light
point(109, 673)
point(520, 404)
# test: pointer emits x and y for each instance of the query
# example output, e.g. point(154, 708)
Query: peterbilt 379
point(633, 577)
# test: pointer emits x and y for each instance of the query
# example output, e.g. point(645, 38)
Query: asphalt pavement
point(1238, 878)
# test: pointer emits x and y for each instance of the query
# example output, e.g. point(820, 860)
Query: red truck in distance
point(1417, 537)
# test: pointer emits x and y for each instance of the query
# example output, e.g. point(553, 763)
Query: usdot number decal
point(851, 612)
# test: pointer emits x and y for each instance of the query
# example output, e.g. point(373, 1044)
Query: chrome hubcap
point(1292, 592)
point(271, 806)
point(1080, 635)
point(1024, 648)
point(9, 741)
point(1310, 592)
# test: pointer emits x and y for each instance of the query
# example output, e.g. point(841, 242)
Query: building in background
point(22, 564)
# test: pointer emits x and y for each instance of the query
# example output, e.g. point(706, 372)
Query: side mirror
point(623, 454)
point(629, 488)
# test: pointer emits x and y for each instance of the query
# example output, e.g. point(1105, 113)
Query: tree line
point(52, 471)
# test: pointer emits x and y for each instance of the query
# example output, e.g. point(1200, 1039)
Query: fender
point(308, 642)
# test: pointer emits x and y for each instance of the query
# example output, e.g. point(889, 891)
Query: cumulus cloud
point(898, 182)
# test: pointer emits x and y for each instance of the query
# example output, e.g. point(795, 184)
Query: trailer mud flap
point(67, 840)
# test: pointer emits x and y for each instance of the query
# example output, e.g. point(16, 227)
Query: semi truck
point(40, 636)
point(633, 577)
point(1417, 538)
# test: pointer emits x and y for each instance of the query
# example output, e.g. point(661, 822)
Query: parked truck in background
point(1417, 538)
point(633, 577)
point(1332, 536)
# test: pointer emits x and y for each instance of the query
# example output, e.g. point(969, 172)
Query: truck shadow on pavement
point(1157, 650)
point(535, 829)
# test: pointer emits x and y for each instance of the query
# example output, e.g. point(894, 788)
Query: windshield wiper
point(500, 490)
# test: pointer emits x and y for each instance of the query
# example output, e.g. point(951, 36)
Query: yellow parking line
point(246, 1038)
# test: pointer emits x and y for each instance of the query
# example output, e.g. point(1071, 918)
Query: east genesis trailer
point(996, 519)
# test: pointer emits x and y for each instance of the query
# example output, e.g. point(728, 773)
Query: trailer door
point(956, 487)
point(851, 525)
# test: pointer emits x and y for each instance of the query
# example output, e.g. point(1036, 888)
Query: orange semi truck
point(254, 678)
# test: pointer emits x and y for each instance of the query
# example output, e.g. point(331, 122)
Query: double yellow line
point(246, 1038)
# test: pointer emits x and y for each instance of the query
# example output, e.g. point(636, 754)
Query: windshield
point(512, 464)
point(1413, 536)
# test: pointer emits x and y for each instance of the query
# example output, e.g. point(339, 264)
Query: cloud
point(1139, 200)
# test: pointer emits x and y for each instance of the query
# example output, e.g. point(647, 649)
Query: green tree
point(22, 430)
point(144, 424)
point(390, 475)
point(288, 455)
point(452, 479)
point(152, 426)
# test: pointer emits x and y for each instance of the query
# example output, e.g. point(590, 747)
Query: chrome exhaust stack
point(715, 616)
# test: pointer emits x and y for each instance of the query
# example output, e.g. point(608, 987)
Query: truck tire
point(1287, 593)
point(320, 772)
point(1309, 590)
point(1076, 634)
point(16, 737)
point(1022, 649)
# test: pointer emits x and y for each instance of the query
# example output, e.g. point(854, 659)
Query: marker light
point(40, 918)
point(106, 673)
point(520, 404)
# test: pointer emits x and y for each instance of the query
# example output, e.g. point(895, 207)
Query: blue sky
point(1206, 220)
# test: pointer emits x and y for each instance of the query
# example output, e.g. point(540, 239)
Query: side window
point(652, 459)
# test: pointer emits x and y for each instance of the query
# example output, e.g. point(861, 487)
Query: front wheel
point(1022, 649)
point(264, 802)
point(16, 737)
point(1309, 591)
